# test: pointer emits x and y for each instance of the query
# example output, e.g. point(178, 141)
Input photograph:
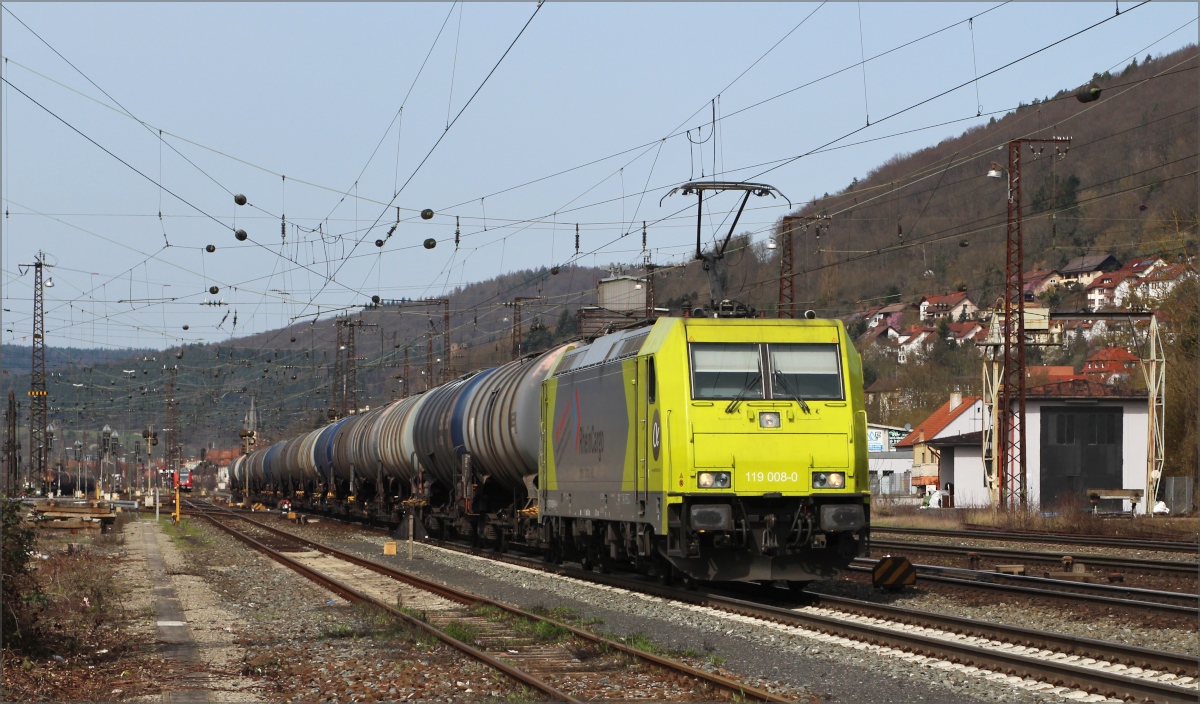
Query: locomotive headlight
point(829, 480)
point(768, 420)
point(713, 480)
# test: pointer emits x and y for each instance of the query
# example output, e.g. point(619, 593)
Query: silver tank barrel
point(307, 465)
point(408, 435)
point(431, 433)
point(503, 423)
point(363, 454)
point(389, 429)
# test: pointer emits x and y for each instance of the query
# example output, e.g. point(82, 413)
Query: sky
point(129, 127)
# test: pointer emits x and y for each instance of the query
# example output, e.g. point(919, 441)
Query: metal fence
point(891, 483)
point(1178, 493)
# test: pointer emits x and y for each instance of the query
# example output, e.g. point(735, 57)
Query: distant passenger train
point(183, 480)
point(715, 449)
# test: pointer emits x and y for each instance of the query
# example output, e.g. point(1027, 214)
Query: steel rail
point(1052, 588)
point(1066, 674)
point(1050, 538)
point(1058, 673)
point(1130, 655)
point(351, 594)
point(1177, 663)
point(1141, 565)
point(736, 688)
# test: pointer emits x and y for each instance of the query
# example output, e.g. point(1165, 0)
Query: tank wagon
point(715, 449)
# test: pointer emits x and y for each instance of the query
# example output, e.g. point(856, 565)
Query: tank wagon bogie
point(715, 449)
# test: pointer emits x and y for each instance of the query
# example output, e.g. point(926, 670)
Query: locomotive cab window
point(726, 371)
point(651, 380)
point(807, 371)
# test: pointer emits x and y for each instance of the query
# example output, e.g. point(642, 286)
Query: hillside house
point(1083, 270)
point(1081, 435)
point(957, 416)
point(968, 332)
point(880, 333)
point(1158, 284)
point(913, 342)
point(1140, 266)
point(1110, 364)
point(956, 306)
point(1110, 290)
point(1039, 281)
point(890, 314)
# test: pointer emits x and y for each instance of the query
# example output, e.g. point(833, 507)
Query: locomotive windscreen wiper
point(787, 389)
point(733, 405)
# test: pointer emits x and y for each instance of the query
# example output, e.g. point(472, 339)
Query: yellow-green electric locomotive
point(711, 448)
point(719, 449)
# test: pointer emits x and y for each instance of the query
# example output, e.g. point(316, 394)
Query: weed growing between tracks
point(540, 631)
point(184, 534)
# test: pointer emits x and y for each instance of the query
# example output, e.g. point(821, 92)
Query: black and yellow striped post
point(893, 573)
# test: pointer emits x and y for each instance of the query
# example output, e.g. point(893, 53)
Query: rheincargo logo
point(590, 442)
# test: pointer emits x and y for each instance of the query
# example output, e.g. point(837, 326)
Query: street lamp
point(78, 464)
point(114, 449)
point(105, 446)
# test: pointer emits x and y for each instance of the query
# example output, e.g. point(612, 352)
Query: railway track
point(582, 664)
point(1161, 602)
point(1160, 545)
point(1168, 603)
point(1060, 662)
point(1164, 567)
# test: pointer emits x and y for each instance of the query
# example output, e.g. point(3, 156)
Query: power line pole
point(173, 448)
point(337, 390)
point(787, 270)
point(516, 322)
point(37, 381)
point(1011, 432)
point(651, 302)
point(404, 378)
point(350, 398)
point(429, 358)
point(447, 360)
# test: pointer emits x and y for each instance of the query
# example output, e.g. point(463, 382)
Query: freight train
point(694, 448)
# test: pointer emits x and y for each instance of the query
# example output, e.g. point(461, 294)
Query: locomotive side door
point(646, 442)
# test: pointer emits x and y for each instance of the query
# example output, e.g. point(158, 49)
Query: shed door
point(1081, 450)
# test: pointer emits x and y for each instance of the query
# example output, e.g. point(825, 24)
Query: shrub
point(20, 588)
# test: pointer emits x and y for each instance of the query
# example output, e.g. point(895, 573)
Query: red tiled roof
point(961, 330)
point(949, 299)
point(1108, 280)
point(1166, 273)
point(1136, 265)
point(1037, 276)
point(1113, 354)
point(937, 421)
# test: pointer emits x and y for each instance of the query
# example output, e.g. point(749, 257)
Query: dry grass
point(75, 643)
